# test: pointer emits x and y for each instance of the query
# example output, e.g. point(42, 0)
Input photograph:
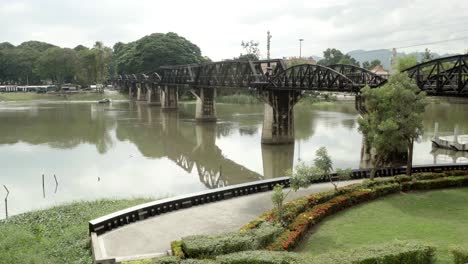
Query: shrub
point(456, 173)
point(176, 247)
point(259, 257)
point(206, 246)
point(161, 260)
point(400, 252)
point(428, 175)
point(460, 254)
point(198, 261)
point(266, 233)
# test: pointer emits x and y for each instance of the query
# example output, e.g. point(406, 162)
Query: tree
point(304, 175)
point(150, 52)
point(393, 119)
point(335, 56)
point(427, 56)
point(58, 65)
point(370, 65)
point(406, 62)
point(251, 49)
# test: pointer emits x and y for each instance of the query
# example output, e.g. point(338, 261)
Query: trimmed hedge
point(209, 246)
point(260, 257)
point(460, 254)
point(402, 252)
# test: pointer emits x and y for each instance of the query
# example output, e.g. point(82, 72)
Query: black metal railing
point(147, 210)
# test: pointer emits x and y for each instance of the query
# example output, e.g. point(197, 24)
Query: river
point(126, 150)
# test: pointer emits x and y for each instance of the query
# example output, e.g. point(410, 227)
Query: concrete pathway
point(152, 236)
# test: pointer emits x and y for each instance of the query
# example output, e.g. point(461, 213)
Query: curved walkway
point(152, 237)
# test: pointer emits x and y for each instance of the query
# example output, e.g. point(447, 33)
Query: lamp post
point(300, 47)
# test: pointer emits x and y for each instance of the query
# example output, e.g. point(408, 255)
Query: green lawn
point(55, 235)
point(439, 217)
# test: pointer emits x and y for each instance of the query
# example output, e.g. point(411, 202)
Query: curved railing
point(140, 212)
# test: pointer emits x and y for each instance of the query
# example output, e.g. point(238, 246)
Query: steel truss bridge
point(440, 77)
point(280, 87)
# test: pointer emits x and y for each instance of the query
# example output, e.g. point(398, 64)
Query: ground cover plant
point(55, 235)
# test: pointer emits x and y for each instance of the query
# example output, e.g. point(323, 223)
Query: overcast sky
point(219, 26)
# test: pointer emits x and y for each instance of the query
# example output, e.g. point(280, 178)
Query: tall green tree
point(155, 50)
point(406, 62)
point(252, 51)
point(393, 119)
point(58, 65)
point(335, 56)
point(370, 65)
point(427, 56)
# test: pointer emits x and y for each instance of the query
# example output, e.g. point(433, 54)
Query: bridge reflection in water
point(192, 146)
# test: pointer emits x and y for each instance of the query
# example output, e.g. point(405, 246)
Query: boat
point(104, 101)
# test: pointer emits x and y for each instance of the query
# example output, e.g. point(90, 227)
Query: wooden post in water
point(56, 183)
point(6, 201)
point(43, 187)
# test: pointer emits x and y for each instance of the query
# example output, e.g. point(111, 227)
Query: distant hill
point(384, 56)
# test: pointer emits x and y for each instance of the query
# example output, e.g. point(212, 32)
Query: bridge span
point(280, 88)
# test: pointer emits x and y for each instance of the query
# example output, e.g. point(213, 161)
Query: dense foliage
point(393, 119)
point(155, 50)
point(334, 56)
point(55, 235)
point(36, 62)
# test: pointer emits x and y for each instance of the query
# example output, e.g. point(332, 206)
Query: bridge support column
point(132, 91)
point(169, 98)
point(205, 110)
point(141, 94)
point(278, 119)
point(153, 95)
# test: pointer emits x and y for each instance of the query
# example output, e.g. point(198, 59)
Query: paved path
point(153, 235)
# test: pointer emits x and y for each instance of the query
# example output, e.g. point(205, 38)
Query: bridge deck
point(152, 237)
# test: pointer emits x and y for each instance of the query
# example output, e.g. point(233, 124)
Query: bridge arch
point(311, 77)
point(446, 76)
point(359, 76)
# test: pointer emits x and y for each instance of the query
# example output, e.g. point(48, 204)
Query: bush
point(401, 252)
point(266, 233)
point(207, 246)
point(176, 247)
point(460, 254)
point(161, 260)
point(428, 175)
point(259, 257)
point(456, 173)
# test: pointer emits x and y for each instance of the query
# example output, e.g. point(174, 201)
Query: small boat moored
point(104, 101)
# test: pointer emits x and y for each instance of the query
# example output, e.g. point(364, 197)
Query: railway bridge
point(280, 87)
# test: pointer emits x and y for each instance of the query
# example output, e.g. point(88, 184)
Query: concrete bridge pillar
point(141, 92)
point(169, 98)
point(153, 95)
point(205, 110)
point(278, 119)
point(131, 90)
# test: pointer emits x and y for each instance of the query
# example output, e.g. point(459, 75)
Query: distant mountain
point(385, 55)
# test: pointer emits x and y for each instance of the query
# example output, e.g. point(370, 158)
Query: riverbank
point(55, 235)
point(85, 96)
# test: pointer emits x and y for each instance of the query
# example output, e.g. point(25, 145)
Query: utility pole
point(300, 47)
point(393, 62)
point(268, 47)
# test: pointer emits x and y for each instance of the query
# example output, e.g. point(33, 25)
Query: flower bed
point(304, 213)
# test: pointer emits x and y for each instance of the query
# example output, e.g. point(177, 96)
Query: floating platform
point(459, 143)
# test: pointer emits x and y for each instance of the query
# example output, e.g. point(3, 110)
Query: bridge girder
point(446, 76)
point(311, 77)
point(359, 76)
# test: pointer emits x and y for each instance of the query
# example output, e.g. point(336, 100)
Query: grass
point(50, 96)
point(437, 217)
point(55, 235)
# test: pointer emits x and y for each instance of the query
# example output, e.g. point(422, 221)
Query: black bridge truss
point(440, 77)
